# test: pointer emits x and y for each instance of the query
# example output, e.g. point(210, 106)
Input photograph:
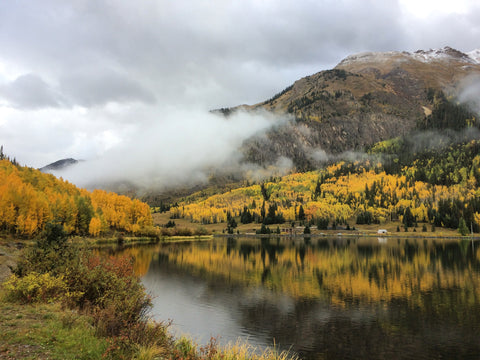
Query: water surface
point(323, 298)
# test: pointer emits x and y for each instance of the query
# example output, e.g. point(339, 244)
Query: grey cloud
point(177, 48)
point(30, 92)
point(460, 31)
point(105, 86)
point(154, 56)
point(218, 53)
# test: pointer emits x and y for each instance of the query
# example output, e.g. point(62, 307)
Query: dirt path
point(9, 253)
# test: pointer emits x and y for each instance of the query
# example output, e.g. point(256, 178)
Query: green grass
point(46, 331)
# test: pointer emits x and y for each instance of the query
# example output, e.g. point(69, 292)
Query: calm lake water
point(322, 298)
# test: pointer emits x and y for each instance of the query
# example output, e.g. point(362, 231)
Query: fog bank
point(181, 148)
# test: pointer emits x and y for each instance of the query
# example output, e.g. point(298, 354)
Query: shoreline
point(354, 235)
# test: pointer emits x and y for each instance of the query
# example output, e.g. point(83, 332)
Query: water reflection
point(324, 298)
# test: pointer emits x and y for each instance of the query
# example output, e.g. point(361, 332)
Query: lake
point(321, 298)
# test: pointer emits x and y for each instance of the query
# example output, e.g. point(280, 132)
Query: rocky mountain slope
point(366, 98)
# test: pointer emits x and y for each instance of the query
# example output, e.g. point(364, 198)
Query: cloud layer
point(92, 78)
point(181, 149)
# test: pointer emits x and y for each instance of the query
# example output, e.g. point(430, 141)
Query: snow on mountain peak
point(445, 54)
point(474, 55)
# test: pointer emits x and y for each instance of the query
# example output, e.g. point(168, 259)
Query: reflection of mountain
point(437, 316)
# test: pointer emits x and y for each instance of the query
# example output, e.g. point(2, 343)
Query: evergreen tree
point(301, 213)
point(246, 216)
point(462, 227)
point(408, 218)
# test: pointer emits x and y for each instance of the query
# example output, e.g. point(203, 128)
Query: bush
point(106, 289)
point(50, 254)
point(200, 231)
point(110, 291)
point(35, 287)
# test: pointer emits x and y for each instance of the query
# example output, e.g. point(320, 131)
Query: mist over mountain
point(182, 149)
point(331, 115)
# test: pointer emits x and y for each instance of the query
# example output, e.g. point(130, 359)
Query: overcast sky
point(82, 78)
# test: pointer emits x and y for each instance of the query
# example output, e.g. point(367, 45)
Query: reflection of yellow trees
point(29, 199)
point(339, 274)
point(140, 255)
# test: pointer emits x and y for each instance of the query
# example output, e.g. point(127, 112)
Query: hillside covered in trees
point(439, 188)
point(30, 199)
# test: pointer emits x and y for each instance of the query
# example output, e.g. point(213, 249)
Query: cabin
point(381, 231)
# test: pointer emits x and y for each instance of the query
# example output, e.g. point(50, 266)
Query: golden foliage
point(29, 199)
point(330, 193)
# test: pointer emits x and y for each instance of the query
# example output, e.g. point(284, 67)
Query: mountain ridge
point(59, 165)
point(366, 98)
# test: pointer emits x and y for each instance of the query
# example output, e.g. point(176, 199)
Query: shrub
point(200, 231)
point(51, 253)
point(149, 231)
point(110, 291)
point(35, 287)
point(183, 231)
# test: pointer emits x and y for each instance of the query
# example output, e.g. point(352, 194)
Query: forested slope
point(29, 199)
point(439, 187)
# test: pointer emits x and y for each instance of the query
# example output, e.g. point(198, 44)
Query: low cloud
point(254, 172)
point(469, 92)
point(181, 148)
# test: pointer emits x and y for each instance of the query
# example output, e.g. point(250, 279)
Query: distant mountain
point(59, 165)
point(366, 98)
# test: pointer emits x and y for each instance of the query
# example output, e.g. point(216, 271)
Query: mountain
point(59, 165)
point(366, 98)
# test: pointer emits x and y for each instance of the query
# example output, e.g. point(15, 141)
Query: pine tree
point(301, 213)
point(462, 227)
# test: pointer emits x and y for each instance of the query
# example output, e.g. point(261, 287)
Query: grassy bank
point(64, 302)
point(394, 228)
point(47, 331)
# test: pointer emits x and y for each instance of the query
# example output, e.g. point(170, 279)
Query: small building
point(381, 231)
